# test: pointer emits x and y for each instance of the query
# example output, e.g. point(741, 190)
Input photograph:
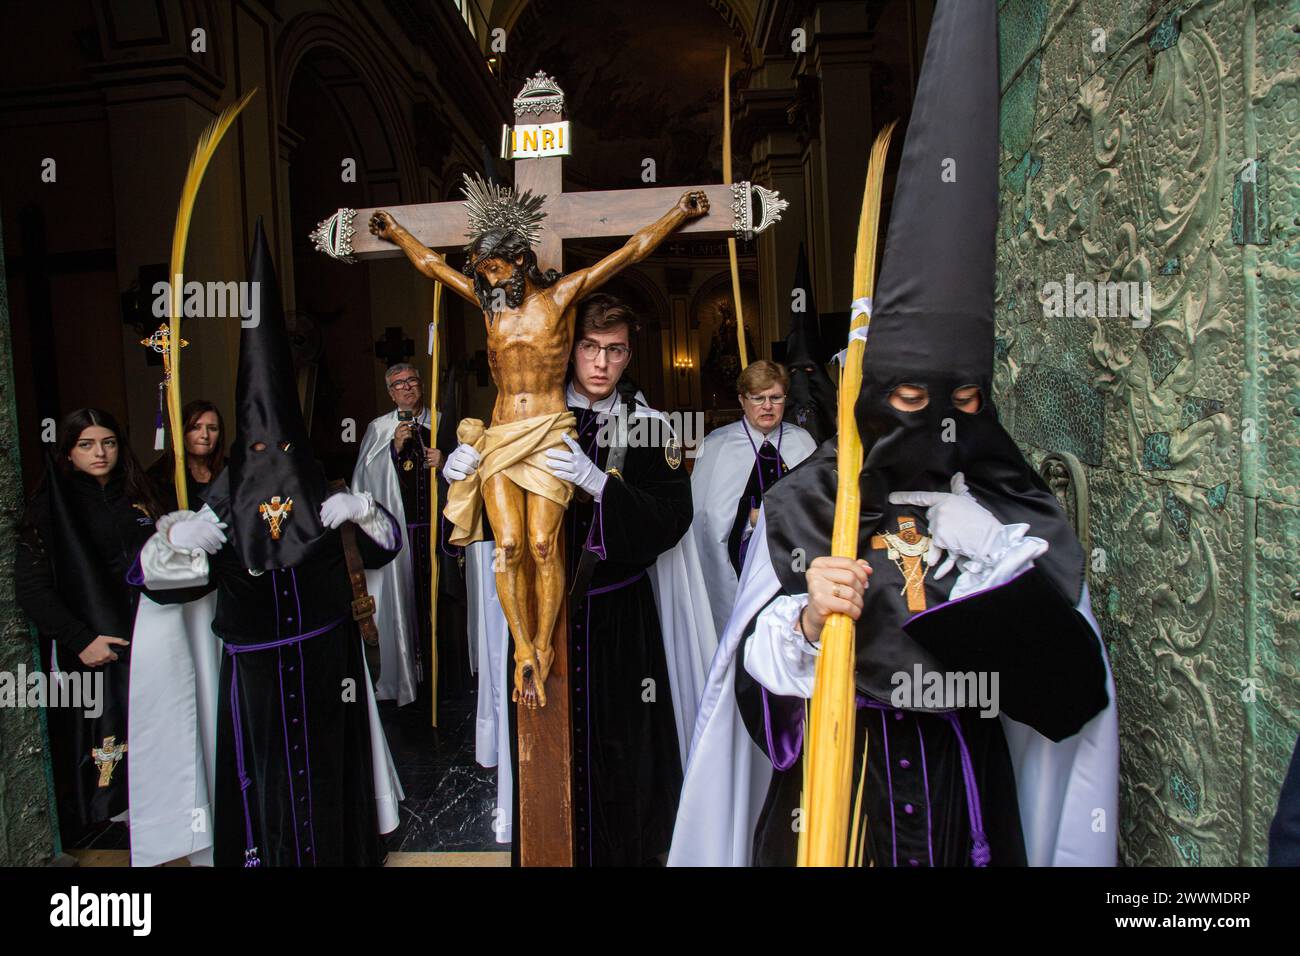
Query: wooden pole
point(435, 517)
point(828, 778)
point(731, 240)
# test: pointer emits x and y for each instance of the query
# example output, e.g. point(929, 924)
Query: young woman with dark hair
point(83, 528)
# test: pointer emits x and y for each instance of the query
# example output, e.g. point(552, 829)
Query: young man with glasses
point(737, 465)
point(395, 463)
point(640, 633)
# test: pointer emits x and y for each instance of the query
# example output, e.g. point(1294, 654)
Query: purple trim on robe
point(614, 587)
point(889, 777)
point(306, 748)
point(246, 782)
point(288, 759)
point(783, 717)
point(597, 521)
point(135, 574)
point(965, 597)
point(451, 551)
point(925, 780)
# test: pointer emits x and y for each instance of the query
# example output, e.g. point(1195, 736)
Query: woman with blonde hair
point(737, 465)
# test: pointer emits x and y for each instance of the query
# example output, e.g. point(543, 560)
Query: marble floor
point(449, 798)
point(447, 814)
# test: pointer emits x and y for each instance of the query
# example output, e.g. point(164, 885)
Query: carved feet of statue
point(545, 657)
point(530, 683)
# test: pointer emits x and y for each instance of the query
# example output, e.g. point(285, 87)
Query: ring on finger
point(836, 591)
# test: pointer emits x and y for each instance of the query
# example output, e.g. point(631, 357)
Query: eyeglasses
point(617, 354)
point(761, 400)
point(405, 383)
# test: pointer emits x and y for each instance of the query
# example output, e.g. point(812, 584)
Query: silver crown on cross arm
point(333, 236)
point(540, 93)
point(754, 208)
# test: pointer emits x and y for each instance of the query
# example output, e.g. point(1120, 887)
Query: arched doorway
point(340, 150)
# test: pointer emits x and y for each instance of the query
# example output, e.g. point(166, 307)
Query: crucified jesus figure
point(529, 318)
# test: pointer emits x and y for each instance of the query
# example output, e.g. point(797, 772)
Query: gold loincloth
point(517, 449)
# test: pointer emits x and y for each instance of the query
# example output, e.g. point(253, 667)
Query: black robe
point(70, 578)
point(768, 468)
point(627, 772)
point(301, 709)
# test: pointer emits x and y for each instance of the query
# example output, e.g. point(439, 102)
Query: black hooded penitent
point(932, 326)
point(812, 402)
point(268, 414)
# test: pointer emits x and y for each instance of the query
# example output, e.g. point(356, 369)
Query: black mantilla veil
point(268, 413)
point(812, 400)
point(79, 568)
point(932, 326)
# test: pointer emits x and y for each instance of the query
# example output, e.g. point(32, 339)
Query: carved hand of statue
point(381, 225)
point(694, 204)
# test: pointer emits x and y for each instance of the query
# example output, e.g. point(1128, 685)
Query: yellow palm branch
point(203, 153)
point(828, 767)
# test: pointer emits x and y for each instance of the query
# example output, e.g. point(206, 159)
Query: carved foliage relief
point(1156, 150)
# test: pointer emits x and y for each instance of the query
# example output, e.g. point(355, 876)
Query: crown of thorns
point(497, 207)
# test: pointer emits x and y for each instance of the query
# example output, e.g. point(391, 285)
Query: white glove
point(959, 525)
point(187, 531)
point(344, 506)
point(574, 465)
point(461, 463)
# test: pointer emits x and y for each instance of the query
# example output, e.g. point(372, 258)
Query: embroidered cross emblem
point(273, 512)
point(907, 549)
point(107, 757)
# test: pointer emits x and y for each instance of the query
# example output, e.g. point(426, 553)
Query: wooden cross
point(912, 565)
point(545, 831)
point(394, 346)
point(106, 758)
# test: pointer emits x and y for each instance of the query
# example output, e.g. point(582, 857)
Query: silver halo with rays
point(497, 207)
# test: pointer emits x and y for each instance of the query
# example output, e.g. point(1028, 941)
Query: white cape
point(487, 626)
point(393, 585)
point(722, 470)
point(1068, 791)
point(172, 731)
point(685, 620)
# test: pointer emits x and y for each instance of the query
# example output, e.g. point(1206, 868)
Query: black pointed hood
point(268, 413)
point(804, 343)
point(931, 326)
point(812, 400)
point(932, 319)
